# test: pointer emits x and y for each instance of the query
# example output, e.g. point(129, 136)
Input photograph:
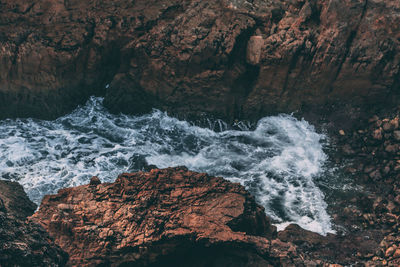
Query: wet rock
point(94, 181)
point(392, 148)
point(396, 254)
point(329, 249)
point(395, 123)
point(383, 185)
point(377, 134)
point(162, 216)
point(387, 126)
point(389, 252)
point(23, 243)
point(347, 150)
point(396, 135)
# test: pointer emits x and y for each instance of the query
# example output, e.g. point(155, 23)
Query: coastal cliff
point(231, 59)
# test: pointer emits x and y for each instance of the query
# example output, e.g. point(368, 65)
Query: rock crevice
point(178, 55)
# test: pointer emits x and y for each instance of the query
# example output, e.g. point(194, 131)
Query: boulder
point(166, 216)
point(24, 243)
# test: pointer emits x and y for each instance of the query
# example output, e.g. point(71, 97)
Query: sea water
point(277, 160)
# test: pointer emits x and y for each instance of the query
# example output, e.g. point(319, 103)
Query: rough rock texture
point(169, 217)
point(349, 249)
point(23, 243)
point(373, 161)
point(234, 59)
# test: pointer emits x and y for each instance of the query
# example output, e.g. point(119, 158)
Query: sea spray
point(277, 161)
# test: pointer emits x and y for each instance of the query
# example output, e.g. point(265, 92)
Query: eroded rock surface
point(163, 217)
point(372, 155)
point(24, 243)
point(233, 59)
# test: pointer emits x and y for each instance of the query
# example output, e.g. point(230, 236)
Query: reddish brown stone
point(159, 216)
point(178, 55)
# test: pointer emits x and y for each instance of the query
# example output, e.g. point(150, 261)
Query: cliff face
point(161, 217)
point(24, 243)
point(233, 59)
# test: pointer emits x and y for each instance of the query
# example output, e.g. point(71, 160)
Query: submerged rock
point(24, 243)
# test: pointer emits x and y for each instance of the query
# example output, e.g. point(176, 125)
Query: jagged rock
point(169, 216)
point(179, 54)
point(331, 248)
point(23, 243)
point(95, 181)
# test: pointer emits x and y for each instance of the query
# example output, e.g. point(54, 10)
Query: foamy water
point(277, 161)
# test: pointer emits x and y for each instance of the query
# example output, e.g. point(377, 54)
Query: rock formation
point(230, 58)
point(23, 243)
point(374, 153)
point(169, 217)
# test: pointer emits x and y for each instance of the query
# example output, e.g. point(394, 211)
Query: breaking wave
point(277, 161)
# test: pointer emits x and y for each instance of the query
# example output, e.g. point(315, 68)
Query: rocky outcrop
point(373, 160)
point(23, 243)
point(169, 217)
point(233, 59)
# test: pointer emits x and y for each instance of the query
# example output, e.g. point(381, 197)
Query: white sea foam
point(277, 161)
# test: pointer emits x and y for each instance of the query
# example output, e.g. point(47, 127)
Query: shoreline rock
point(159, 217)
point(24, 243)
point(374, 164)
point(175, 216)
point(229, 59)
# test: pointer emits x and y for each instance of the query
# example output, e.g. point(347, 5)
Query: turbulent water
point(278, 161)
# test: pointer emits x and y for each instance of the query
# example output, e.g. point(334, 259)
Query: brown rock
point(387, 126)
point(395, 123)
point(254, 48)
point(396, 254)
point(377, 134)
point(389, 252)
point(161, 216)
point(15, 201)
point(178, 55)
point(95, 181)
point(332, 247)
point(23, 243)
